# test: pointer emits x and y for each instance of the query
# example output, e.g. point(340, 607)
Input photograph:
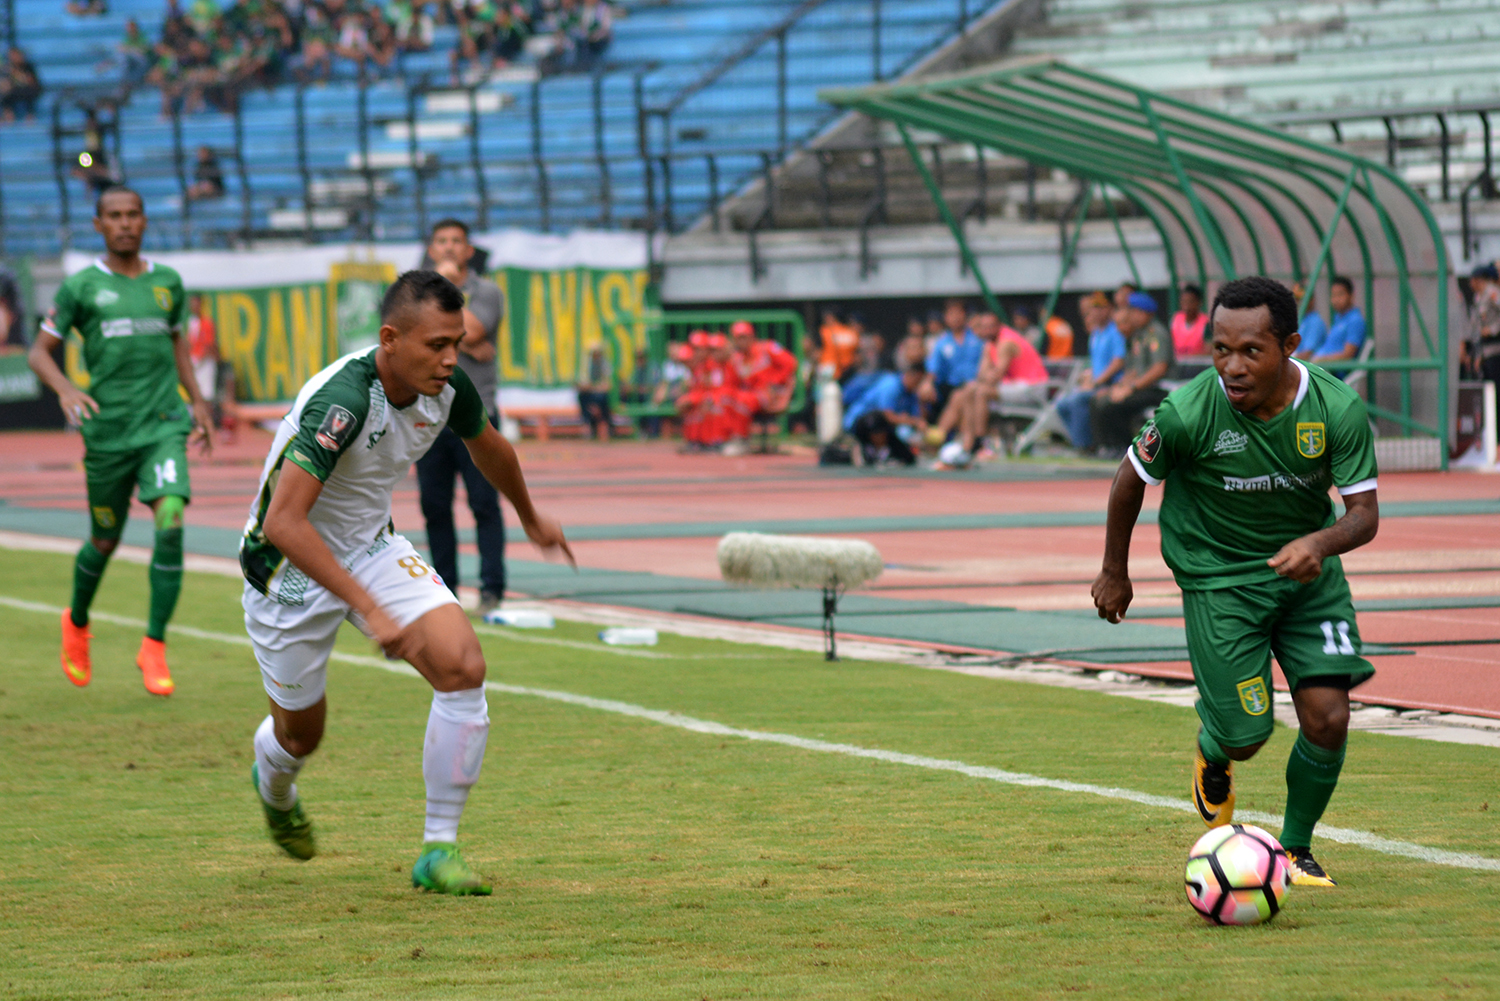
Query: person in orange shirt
point(840, 344)
point(1059, 338)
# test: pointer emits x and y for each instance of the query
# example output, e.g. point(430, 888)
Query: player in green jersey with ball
point(1248, 452)
point(131, 315)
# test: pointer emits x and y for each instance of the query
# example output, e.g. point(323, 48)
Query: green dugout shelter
point(1228, 198)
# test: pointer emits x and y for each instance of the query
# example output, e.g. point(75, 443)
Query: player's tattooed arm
point(287, 528)
point(1112, 591)
point(497, 460)
point(1302, 559)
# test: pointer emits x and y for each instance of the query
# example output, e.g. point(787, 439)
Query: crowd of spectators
point(207, 54)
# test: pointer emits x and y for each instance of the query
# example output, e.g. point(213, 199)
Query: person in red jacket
point(765, 369)
point(693, 402)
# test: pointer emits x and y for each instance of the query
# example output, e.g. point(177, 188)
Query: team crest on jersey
point(1231, 442)
point(106, 297)
point(335, 429)
point(1253, 697)
point(1312, 437)
point(1149, 443)
point(163, 297)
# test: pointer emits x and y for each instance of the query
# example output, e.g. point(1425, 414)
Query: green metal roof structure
point(1228, 198)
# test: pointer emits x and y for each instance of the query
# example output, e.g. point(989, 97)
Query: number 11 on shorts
point(1336, 644)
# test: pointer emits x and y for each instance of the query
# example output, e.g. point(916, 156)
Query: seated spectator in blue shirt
point(954, 358)
point(887, 415)
point(1347, 333)
point(1313, 330)
point(1106, 361)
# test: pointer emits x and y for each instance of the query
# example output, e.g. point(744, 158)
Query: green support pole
point(1069, 254)
point(1205, 219)
point(947, 214)
point(1135, 273)
point(1333, 225)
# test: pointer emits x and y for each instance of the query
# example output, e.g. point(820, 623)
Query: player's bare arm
point(203, 414)
point(1112, 591)
point(496, 459)
point(77, 406)
point(1302, 559)
point(287, 528)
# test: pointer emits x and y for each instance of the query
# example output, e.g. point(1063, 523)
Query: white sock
point(457, 729)
point(278, 768)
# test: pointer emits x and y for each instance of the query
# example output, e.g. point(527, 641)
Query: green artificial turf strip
point(632, 860)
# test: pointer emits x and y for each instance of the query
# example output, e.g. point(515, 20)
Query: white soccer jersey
point(344, 431)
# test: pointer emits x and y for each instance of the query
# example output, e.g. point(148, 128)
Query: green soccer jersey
point(126, 325)
point(1239, 488)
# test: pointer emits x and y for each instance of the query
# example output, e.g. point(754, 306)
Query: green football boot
point(442, 869)
point(290, 829)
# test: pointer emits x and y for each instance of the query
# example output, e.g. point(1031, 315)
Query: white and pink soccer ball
point(1237, 875)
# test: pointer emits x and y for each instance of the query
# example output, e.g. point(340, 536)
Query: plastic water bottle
point(830, 411)
point(520, 618)
point(629, 636)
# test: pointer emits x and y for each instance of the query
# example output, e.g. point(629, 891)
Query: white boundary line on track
point(1342, 835)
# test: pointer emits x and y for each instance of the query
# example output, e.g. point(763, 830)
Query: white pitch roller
point(797, 561)
point(794, 561)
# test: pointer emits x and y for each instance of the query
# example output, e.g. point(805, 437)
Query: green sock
point(88, 568)
point(1311, 774)
point(166, 580)
point(1210, 748)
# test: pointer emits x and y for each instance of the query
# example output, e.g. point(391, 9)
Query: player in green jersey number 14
point(131, 315)
point(1248, 451)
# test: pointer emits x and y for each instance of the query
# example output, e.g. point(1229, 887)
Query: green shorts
point(1232, 633)
point(156, 470)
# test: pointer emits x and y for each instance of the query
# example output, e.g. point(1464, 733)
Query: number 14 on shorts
point(166, 472)
point(1336, 638)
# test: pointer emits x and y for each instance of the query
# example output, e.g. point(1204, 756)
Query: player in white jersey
point(320, 547)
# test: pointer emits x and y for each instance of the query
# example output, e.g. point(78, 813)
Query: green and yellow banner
point(553, 318)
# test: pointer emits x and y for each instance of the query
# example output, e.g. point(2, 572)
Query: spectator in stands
point(1115, 412)
point(1346, 335)
point(1482, 349)
point(1106, 361)
point(912, 348)
point(888, 418)
point(594, 385)
point(645, 382)
point(448, 459)
point(204, 15)
point(20, 87)
point(954, 359)
point(591, 31)
point(1312, 329)
point(1190, 324)
point(934, 328)
point(512, 30)
point(88, 8)
point(1123, 294)
point(412, 24)
point(1011, 372)
point(214, 376)
point(136, 56)
point(93, 167)
point(316, 40)
point(208, 176)
point(840, 345)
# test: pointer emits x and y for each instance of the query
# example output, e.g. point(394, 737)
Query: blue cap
point(1140, 300)
point(1486, 271)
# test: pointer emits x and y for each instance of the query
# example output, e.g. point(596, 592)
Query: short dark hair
point(917, 368)
point(116, 189)
point(1193, 289)
point(416, 287)
point(1346, 283)
point(449, 223)
point(1130, 285)
point(1257, 290)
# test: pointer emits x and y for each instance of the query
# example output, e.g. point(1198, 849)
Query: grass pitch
point(633, 860)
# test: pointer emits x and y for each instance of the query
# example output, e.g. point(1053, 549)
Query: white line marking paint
point(1342, 835)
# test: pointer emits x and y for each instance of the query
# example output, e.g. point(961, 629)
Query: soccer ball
point(1237, 875)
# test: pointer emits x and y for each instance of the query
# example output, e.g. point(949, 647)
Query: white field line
point(1342, 835)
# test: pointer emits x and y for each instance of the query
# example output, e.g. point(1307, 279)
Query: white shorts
point(292, 642)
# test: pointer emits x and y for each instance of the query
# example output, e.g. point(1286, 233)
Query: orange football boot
point(75, 650)
point(152, 660)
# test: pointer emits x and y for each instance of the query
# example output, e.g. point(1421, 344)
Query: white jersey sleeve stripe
point(1362, 486)
point(1140, 470)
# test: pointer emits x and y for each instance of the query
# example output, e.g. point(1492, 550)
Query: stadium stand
point(707, 89)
